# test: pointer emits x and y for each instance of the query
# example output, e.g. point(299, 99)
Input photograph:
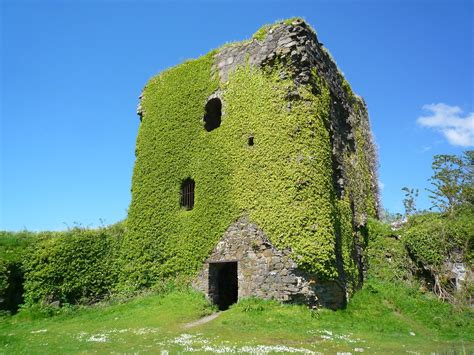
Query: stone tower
point(255, 174)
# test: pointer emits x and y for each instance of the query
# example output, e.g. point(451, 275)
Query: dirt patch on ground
point(201, 321)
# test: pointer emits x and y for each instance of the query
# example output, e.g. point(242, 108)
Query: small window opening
point(251, 141)
point(223, 284)
point(187, 194)
point(212, 117)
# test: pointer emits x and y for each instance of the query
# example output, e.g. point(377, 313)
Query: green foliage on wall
point(163, 238)
point(283, 182)
point(349, 237)
point(360, 182)
point(77, 266)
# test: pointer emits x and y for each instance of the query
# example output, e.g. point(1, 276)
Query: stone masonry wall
point(266, 272)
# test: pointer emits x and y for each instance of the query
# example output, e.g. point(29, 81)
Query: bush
point(13, 246)
point(435, 241)
point(386, 256)
point(3, 277)
point(432, 237)
point(77, 266)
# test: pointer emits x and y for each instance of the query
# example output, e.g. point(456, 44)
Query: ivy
point(283, 182)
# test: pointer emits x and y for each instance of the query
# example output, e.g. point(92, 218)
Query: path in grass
point(201, 321)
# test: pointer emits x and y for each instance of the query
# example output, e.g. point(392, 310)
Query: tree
point(388, 217)
point(409, 202)
point(468, 185)
point(452, 181)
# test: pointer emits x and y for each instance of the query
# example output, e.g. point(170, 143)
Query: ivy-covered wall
point(285, 182)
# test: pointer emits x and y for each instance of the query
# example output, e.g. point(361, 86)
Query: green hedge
point(3, 278)
point(13, 247)
point(418, 250)
point(430, 237)
point(77, 266)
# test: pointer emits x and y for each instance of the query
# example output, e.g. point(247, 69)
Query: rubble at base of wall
point(266, 272)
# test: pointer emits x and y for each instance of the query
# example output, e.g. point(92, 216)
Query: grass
point(380, 318)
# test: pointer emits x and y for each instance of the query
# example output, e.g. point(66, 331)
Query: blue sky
point(72, 71)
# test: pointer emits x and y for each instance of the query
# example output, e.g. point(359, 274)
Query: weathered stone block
point(282, 281)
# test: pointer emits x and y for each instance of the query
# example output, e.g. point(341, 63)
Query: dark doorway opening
point(223, 284)
point(212, 117)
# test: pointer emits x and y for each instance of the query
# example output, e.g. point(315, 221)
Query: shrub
point(432, 237)
point(77, 266)
point(435, 240)
point(13, 246)
point(3, 277)
point(386, 256)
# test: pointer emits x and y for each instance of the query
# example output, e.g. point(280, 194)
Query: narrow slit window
point(187, 194)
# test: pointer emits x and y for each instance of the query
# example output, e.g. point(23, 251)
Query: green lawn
point(380, 318)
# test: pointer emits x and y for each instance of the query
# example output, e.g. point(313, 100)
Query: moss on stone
point(263, 31)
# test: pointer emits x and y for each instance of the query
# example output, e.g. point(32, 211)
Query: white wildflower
point(143, 331)
point(98, 338)
point(39, 331)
